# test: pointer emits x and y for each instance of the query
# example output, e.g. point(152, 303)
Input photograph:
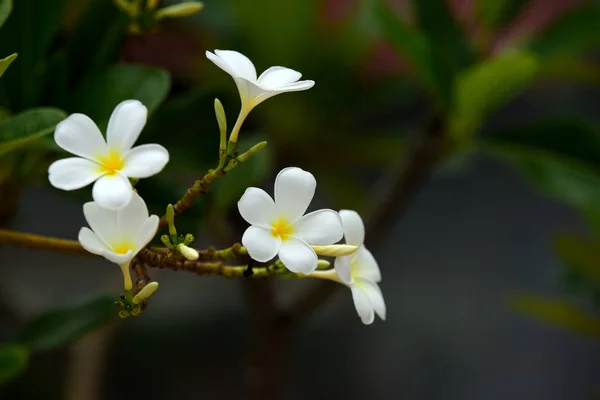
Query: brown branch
point(39, 242)
point(389, 206)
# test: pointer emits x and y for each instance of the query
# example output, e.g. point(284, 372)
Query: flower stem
point(127, 284)
point(233, 138)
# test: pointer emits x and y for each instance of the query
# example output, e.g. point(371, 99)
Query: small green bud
point(136, 311)
point(179, 10)
point(189, 238)
point(222, 121)
point(323, 264)
point(171, 221)
point(124, 314)
point(245, 156)
point(146, 292)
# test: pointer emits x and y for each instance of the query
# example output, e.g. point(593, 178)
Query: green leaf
point(5, 62)
point(230, 188)
point(411, 43)
point(573, 33)
point(99, 93)
point(14, 359)
point(5, 9)
point(485, 87)
point(450, 50)
point(580, 254)
point(495, 13)
point(27, 127)
point(29, 31)
point(557, 312)
point(60, 327)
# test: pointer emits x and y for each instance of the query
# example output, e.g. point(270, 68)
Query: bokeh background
point(466, 131)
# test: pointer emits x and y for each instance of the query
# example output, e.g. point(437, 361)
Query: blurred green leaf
point(496, 13)
point(60, 327)
point(485, 87)
point(571, 69)
point(5, 9)
point(411, 43)
point(29, 31)
point(581, 254)
point(27, 127)
point(84, 59)
point(450, 50)
point(5, 62)
point(572, 33)
point(230, 188)
point(99, 93)
point(557, 312)
point(14, 359)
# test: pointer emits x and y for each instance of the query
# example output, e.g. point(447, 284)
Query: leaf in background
point(99, 93)
point(5, 9)
point(580, 254)
point(29, 32)
point(571, 69)
point(14, 358)
point(557, 312)
point(573, 33)
point(485, 87)
point(103, 25)
point(60, 327)
point(5, 62)
point(496, 13)
point(27, 127)
point(230, 188)
point(409, 42)
point(450, 50)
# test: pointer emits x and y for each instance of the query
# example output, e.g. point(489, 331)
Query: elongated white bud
point(146, 292)
point(188, 252)
point(335, 250)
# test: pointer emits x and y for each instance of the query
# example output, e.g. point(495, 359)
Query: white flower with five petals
point(253, 90)
point(360, 271)
point(118, 235)
point(108, 162)
point(280, 228)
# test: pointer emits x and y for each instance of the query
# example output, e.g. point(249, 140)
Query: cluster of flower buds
point(279, 227)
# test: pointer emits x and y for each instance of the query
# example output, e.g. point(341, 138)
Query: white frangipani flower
point(255, 90)
point(108, 162)
point(280, 228)
point(360, 271)
point(118, 235)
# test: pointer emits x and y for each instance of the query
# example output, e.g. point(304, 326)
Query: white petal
point(125, 125)
point(260, 243)
point(257, 207)
point(354, 228)
point(145, 160)
point(73, 173)
point(102, 221)
point(365, 266)
point(363, 306)
point(146, 232)
point(79, 135)
point(131, 217)
point(342, 268)
point(112, 191)
point(220, 63)
point(239, 64)
point(251, 94)
point(295, 87)
point(294, 190)
point(373, 292)
point(321, 227)
point(91, 242)
point(119, 258)
point(298, 256)
point(276, 77)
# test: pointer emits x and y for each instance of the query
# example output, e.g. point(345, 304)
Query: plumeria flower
point(255, 90)
point(108, 162)
point(118, 235)
point(360, 271)
point(280, 228)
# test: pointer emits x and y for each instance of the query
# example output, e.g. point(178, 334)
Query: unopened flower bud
point(335, 250)
point(188, 252)
point(179, 10)
point(146, 292)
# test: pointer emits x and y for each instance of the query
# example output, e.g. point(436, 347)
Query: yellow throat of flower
point(111, 163)
point(123, 247)
point(281, 228)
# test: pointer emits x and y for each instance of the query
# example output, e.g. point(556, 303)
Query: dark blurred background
point(465, 131)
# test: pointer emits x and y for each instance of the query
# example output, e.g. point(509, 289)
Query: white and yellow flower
point(280, 228)
point(118, 235)
point(360, 271)
point(108, 162)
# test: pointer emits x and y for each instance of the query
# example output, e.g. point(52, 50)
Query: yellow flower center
point(111, 163)
point(281, 228)
point(123, 247)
